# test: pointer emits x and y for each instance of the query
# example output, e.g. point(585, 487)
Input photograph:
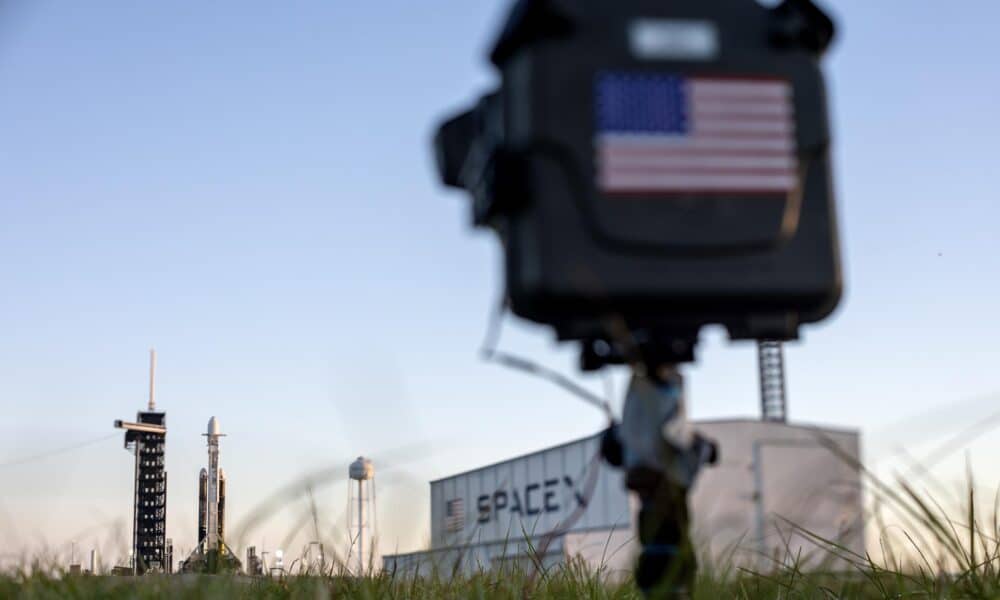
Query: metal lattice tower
point(773, 393)
point(150, 497)
point(147, 438)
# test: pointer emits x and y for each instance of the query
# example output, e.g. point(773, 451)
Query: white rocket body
point(212, 514)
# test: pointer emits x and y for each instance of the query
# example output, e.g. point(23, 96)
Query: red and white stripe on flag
point(709, 136)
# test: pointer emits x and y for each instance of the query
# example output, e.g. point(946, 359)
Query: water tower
point(361, 508)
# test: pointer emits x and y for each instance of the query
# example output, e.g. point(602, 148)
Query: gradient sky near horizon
point(247, 186)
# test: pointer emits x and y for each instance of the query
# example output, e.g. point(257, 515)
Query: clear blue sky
point(248, 187)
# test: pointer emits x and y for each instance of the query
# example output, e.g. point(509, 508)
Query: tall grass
point(929, 552)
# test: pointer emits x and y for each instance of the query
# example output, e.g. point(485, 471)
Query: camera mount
point(652, 168)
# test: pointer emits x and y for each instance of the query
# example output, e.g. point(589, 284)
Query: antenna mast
point(152, 380)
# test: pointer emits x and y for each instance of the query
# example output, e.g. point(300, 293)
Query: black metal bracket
point(801, 23)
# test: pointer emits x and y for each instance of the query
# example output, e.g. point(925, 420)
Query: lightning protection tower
point(773, 389)
point(146, 438)
point(361, 508)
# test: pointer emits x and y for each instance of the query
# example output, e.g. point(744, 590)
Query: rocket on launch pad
point(212, 555)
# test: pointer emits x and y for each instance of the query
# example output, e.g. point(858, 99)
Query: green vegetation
point(568, 583)
point(927, 553)
point(867, 580)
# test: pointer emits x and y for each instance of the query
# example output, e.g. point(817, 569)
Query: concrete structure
point(565, 502)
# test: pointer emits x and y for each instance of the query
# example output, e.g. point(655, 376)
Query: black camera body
point(654, 167)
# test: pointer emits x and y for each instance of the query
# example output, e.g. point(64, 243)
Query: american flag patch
point(454, 515)
point(669, 134)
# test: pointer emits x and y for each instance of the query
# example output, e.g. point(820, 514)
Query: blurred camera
point(654, 167)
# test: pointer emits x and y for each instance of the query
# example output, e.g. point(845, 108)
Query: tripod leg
point(661, 459)
point(667, 565)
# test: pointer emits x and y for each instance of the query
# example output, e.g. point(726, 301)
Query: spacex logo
point(532, 499)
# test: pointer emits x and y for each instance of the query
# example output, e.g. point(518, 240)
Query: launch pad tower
point(146, 438)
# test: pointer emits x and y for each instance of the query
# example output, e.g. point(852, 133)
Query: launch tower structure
point(147, 438)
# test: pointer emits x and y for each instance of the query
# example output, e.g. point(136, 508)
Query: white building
point(565, 502)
